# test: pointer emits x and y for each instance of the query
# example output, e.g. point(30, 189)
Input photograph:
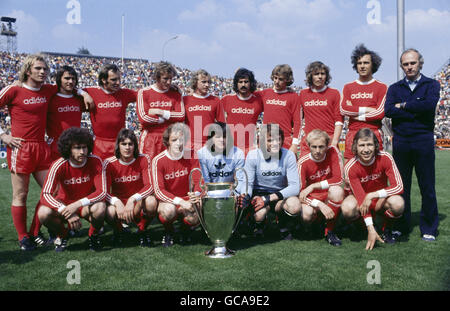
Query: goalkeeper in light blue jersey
point(274, 182)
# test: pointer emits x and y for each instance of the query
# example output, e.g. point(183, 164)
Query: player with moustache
point(242, 109)
point(281, 106)
point(158, 106)
point(321, 175)
point(74, 188)
point(363, 99)
point(27, 152)
point(109, 112)
point(319, 105)
point(376, 187)
point(129, 189)
point(274, 182)
point(170, 177)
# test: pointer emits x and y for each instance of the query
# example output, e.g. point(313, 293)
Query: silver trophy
point(218, 213)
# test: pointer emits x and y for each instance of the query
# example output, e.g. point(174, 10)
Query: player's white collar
point(200, 96)
point(280, 92)
point(64, 95)
point(77, 165)
point(364, 83)
point(319, 91)
point(172, 158)
point(368, 164)
point(107, 92)
point(25, 85)
point(155, 88)
point(317, 161)
point(244, 98)
point(126, 163)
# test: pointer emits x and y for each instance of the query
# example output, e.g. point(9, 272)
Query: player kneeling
point(81, 188)
point(129, 188)
point(321, 176)
point(170, 176)
point(273, 181)
point(376, 185)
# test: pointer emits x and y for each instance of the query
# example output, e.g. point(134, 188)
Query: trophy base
point(220, 252)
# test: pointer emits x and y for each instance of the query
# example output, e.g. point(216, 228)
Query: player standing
point(320, 105)
point(321, 176)
point(281, 106)
point(170, 176)
point(243, 109)
point(108, 115)
point(376, 185)
point(274, 182)
point(129, 188)
point(202, 109)
point(363, 99)
point(157, 107)
point(81, 188)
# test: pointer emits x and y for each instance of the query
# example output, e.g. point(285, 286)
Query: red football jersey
point(108, 116)
point(152, 97)
point(75, 183)
point(170, 177)
point(28, 109)
point(124, 180)
point(320, 109)
point(282, 108)
point(381, 175)
point(360, 95)
point(64, 112)
point(201, 112)
point(242, 115)
point(329, 171)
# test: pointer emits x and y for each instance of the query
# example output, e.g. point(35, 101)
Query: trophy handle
point(197, 208)
point(241, 212)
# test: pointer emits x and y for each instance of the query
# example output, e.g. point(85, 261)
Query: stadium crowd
point(442, 129)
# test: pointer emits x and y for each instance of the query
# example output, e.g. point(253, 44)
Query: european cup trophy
point(218, 213)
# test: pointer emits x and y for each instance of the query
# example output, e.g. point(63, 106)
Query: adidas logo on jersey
point(370, 177)
point(362, 95)
point(110, 105)
point(128, 178)
point(220, 174)
point(69, 109)
point(161, 104)
point(320, 173)
point(199, 108)
point(176, 174)
point(79, 180)
point(317, 103)
point(243, 110)
point(271, 173)
point(276, 102)
point(35, 100)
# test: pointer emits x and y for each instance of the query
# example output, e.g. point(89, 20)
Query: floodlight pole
point(123, 40)
point(400, 35)
point(164, 45)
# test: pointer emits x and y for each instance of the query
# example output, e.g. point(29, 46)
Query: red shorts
point(54, 153)
point(32, 157)
point(287, 142)
point(104, 148)
point(304, 148)
point(349, 141)
point(151, 144)
point(321, 195)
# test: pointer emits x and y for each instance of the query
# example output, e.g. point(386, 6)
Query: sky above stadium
point(222, 35)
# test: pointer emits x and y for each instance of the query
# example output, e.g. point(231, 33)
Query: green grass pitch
point(267, 265)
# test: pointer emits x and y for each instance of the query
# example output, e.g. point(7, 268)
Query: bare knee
point(167, 211)
point(336, 194)
point(396, 205)
point(349, 208)
point(307, 213)
point(45, 213)
point(98, 210)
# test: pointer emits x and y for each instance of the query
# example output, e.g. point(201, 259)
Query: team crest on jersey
point(176, 174)
point(35, 100)
point(79, 180)
point(370, 177)
point(276, 102)
point(362, 95)
point(320, 173)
